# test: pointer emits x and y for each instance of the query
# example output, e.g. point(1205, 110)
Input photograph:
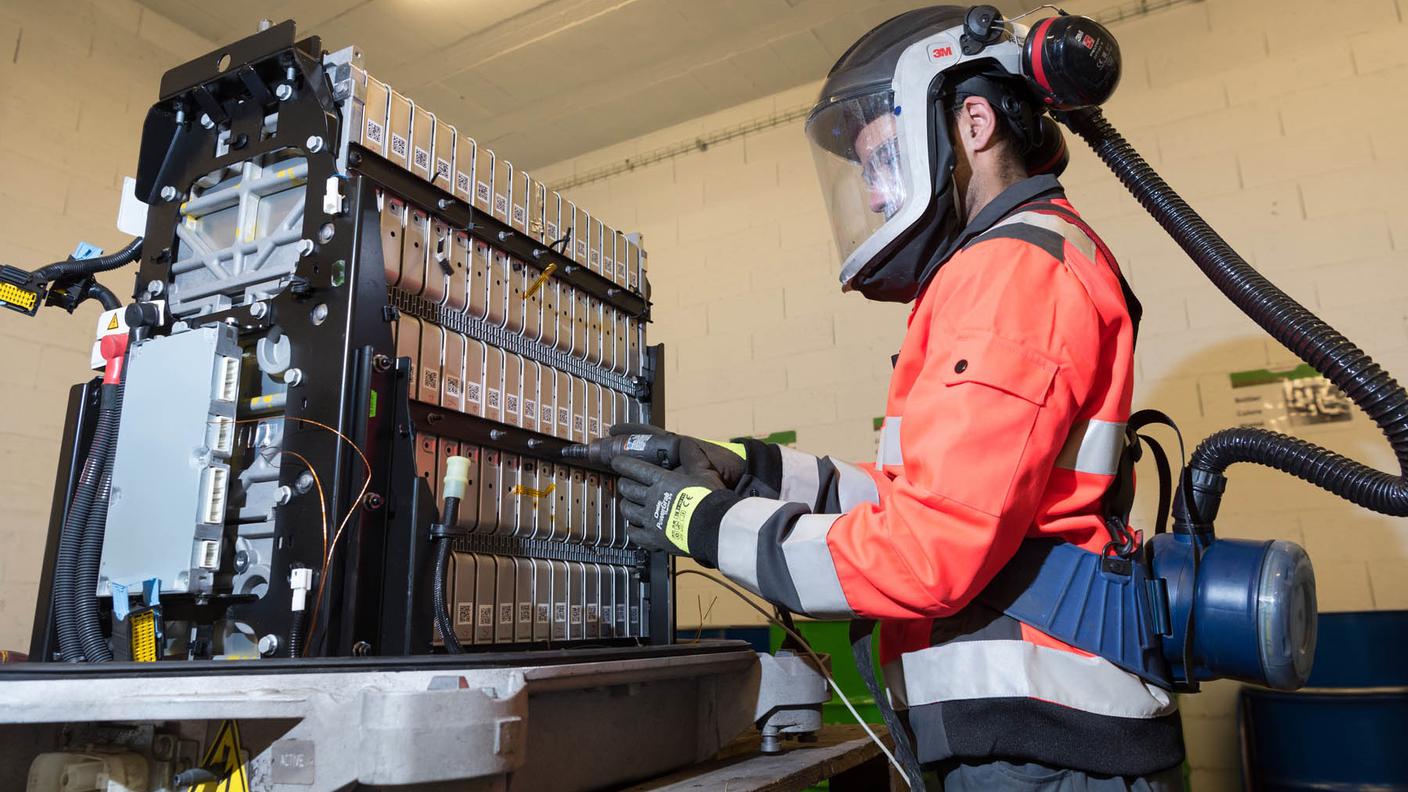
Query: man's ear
point(977, 124)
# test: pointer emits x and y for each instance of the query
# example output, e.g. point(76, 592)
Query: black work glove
point(677, 511)
point(725, 460)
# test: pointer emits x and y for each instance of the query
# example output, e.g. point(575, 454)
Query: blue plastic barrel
point(1348, 728)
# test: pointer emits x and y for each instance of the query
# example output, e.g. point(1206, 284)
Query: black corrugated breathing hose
point(91, 266)
point(1319, 345)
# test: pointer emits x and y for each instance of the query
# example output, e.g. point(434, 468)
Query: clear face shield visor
point(864, 181)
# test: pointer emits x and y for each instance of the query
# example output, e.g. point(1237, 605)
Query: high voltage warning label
point(225, 758)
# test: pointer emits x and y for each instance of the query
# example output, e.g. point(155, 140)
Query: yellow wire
point(323, 509)
point(821, 667)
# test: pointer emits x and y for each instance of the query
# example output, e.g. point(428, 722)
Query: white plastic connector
point(456, 477)
point(222, 435)
point(215, 487)
point(209, 554)
point(300, 581)
point(227, 378)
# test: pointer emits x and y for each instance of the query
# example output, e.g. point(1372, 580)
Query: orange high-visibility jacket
point(1005, 421)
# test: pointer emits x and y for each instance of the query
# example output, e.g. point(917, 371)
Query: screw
point(497, 434)
point(241, 561)
point(284, 91)
point(361, 649)
point(259, 309)
point(304, 482)
point(206, 121)
point(504, 235)
point(154, 288)
point(314, 144)
point(382, 363)
point(168, 193)
point(354, 158)
point(305, 247)
point(326, 232)
point(434, 418)
point(285, 494)
point(372, 501)
point(443, 203)
point(320, 313)
point(293, 377)
point(268, 645)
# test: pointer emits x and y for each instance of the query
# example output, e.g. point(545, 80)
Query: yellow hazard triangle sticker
point(112, 323)
point(225, 758)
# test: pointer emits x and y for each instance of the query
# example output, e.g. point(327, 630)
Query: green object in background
point(834, 638)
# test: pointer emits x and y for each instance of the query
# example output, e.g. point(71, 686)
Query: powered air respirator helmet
point(879, 132)
point(1191, 606)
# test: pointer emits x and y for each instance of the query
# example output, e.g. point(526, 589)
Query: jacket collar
point(1009, 200)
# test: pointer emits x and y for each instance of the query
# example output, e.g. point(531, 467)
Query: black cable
point(67, 560)
point(85, 598)
point(439, 580)
point(295, 633)
point(104, 296)
point(1371, 388)
point(77, 268)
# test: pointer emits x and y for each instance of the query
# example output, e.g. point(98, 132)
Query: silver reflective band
point(894, 684)
point(968, 670)
point(738, 539)
point(854, 486)
point(1093, 447)
point(1075, 237)
point(800, 477)
point(813, 570)
point(890, 452)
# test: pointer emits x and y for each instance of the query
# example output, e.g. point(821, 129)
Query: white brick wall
point(1295, 152)
point(76, 79)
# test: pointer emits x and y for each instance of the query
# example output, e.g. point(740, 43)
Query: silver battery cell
point(432, 350)
point(578, 348)
point(547, 325)
point(638, 616)
point(485, 591)
point(490, 470)
point(545, 502)
point(447, 448)
point(552, 220)
point(534, 282)
point(457, 295)
point(484, 179)
point(623, 259)
point(480, 261)
point(523, 599)
point(464, 168)
point(561, 600)
point(597, 232)
point(445, 145)
point(538, 211)
point(622, 336)
point(422, 142)
point(428, 461)
point(581, 406)
point(463, 571)
point(623, 601)
point(542, 600)
point(606, 580)
point(529, 418)
point(503, 188)
point(509, 488)
point(438, 266)
point(563, 390)
point(413, 252)
point(494, 383)
point(517, 286)
point(608, 252)
point(505, 599)
point(591, 601)
point(513, 389)
point(474, 364)
point(609, 357)
point(596, 397)
point(581, 232)
point(576, 582)
point(578, 531)
point(562, 504)
point(547, 400)
point(393, 234)
point(452, 372)
point(408, 342)
point(374, 110)
point(398, 148)
point(499, 289)
point(518, 201)
point(591, 509)
point(525, 496)
point(595, 336)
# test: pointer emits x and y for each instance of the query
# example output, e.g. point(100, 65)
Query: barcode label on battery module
point(398, 145)
point(464, 613)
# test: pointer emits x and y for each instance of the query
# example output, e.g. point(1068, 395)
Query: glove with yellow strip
point(726, 460)
point(677, 511)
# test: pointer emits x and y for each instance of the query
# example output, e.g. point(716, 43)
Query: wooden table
point(844, 755)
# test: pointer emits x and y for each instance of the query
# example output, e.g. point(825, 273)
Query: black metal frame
point(376, 598)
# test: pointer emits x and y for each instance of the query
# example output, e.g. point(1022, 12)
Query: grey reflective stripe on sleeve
point(970, 670)
point(738, 539)
point(811, 569)
point(1093, 447)
point(800, 478)
point(1073, 235)
point(890, 452)
point(893, 672)
point(854, 486)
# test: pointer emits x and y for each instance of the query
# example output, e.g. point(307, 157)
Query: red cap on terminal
point(113, 348)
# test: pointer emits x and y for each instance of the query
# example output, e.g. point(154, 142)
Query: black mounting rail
point(465, 217)
point(443, 422)
point(551, 550)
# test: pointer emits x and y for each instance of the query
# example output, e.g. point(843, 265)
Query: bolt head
point(314, 144)
point(154, 287)
point(206, 121)
point(168, 193)
point(304, 482)
point(284, 92)
point(268, 644)
point(305, 247)
point(293, 376)
point(259, 309)
point(285, 495)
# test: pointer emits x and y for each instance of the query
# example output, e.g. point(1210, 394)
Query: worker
point(1005, 423)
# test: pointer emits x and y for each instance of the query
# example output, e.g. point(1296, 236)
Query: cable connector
point(300, 581)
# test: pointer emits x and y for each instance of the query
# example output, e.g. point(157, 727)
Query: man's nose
point(878, 201)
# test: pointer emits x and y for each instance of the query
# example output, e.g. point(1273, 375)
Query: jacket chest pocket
point(978, 416)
